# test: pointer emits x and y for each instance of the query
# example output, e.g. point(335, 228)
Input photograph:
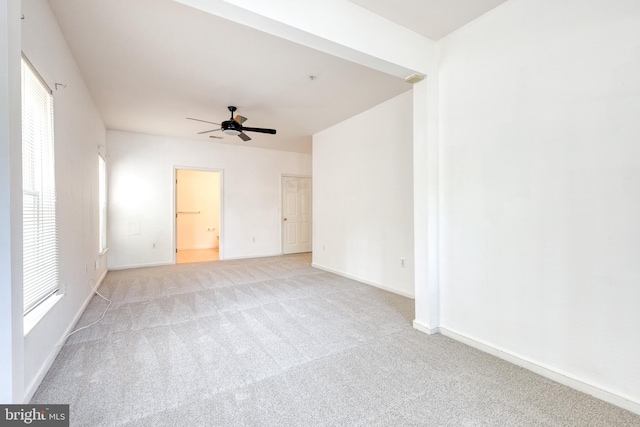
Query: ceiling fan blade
point(207, 131)
point(261, 130)
point(206, 121)
point(216, 137)
point(240, 119)
point(244, 137)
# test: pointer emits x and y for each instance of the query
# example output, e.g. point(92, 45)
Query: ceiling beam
point(337, 27)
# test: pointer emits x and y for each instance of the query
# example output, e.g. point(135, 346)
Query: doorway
point(296, 214)
point(198, 206)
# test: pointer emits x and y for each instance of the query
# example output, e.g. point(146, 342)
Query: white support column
point(425, 204)
point(11, 334)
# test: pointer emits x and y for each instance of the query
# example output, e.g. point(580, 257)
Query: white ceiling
point(433, 19)
point(149, 64)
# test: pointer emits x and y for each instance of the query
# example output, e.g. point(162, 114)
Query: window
point(102, 201)
point(40, 237)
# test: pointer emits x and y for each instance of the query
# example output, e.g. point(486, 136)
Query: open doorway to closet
point(198, 205)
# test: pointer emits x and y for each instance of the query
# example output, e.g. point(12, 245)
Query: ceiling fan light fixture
point(234, 127)
point(231, 127)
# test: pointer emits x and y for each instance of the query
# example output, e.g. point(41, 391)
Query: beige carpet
point(274, 342)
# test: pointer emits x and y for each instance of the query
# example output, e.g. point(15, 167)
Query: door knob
point(285, 219)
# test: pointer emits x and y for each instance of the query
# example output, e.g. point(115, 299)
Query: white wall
point(11, 336)
point(79, 131)
point(198, 198)
point(141, 195)
point(540, 158)
point(363, 196)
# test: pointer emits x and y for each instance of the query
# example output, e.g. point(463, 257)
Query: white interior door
point(296, 215)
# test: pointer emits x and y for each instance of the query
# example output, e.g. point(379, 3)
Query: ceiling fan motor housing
point(234, 127)
point(231, 127)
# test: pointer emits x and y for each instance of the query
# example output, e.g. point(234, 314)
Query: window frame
point(102, 204)
point(41, 278)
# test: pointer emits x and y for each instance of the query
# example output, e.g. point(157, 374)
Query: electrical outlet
point(402, 263)
point(97, 263)
point(324, 248)
point(153, 245)
point(253, 239)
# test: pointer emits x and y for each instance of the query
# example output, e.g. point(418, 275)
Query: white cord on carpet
point(95, 290)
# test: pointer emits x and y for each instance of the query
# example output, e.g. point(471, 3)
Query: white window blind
point(40, 247)
point(102, 201)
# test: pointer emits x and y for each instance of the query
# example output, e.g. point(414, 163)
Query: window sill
point(32, 318)
point(103, 252)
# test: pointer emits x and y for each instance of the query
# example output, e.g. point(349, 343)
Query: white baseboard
point(424, 328)
point(127, 267)
point(550, 372)
point(33, 387)
point(252, 256)
point(365, 281)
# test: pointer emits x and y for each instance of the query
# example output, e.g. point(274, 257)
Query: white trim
point(102, 216)
point(565, 378)
point(365, 281)
point(35, 383)
point(294, 175)
point(151, 264)
point(424, 328)
point(255, 256)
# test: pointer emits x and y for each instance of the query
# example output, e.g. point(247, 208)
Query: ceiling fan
point(233, 126)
